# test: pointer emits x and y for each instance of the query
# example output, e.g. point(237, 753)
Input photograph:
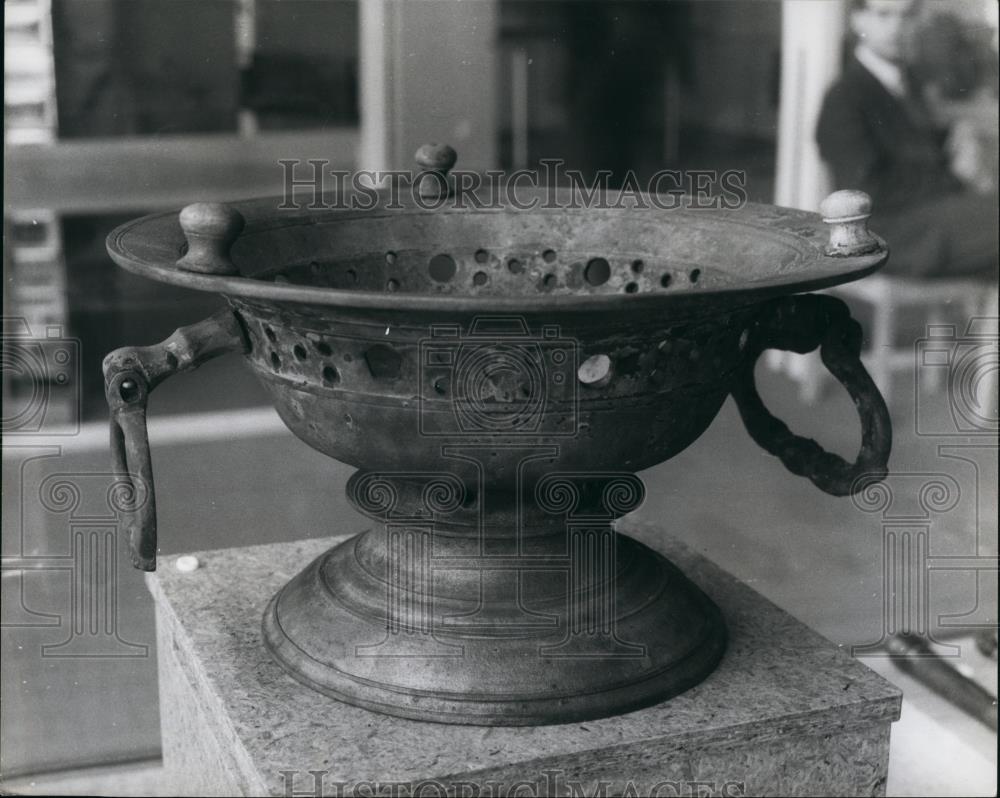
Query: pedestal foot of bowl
point(548, 641)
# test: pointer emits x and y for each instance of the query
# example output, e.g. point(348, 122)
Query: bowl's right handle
point(130, 373)
point(799, 324)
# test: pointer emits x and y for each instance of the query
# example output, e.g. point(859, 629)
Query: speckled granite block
point(786, 712)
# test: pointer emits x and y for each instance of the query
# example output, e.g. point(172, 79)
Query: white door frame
point(812, 33)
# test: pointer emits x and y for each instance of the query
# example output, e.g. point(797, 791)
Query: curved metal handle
point(800, 324)
point(130, 374)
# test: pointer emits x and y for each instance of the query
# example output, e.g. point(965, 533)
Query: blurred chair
point(888, 297)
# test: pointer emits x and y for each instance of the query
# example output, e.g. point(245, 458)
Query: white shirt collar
point(885, 72)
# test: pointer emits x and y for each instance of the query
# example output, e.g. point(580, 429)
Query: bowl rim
point(144, 245)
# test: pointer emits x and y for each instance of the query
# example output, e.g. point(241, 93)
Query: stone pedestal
point(785, 713)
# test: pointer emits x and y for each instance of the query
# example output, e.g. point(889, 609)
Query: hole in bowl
point(352, 276)
point(440, 386)
point(631, 288)
point(638, 266)
point(480, 278)
point(270, 334)
point(597, 271)
point(549, 256)
point(549, 282)
point(323, 348)
point(275, 361)
point(300, 352)
point(384, 362)
point(665, 280)
point(171, 360)
point(514, 266)
point(442, 268)
point(392, 285)
point(482, 256)
point(330, 375)
point(694, 275)
point(390, 258)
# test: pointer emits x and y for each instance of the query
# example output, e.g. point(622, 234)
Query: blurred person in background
point(909, 122)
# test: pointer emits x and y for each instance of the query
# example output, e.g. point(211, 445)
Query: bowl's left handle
point(130, 374)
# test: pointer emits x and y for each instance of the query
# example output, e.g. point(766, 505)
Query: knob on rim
point(847, 213)
point(211, 229)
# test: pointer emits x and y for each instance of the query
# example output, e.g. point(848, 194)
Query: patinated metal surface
point(130, 374)
point(497, 377)
point(801, 324)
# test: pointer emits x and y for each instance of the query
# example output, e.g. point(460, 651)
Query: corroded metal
point(497, 378)
point(801, 324)
point(130, 374)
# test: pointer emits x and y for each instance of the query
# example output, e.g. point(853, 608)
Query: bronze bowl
point(498, 377)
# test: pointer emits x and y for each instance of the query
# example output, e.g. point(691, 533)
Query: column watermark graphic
point(62, 558)
point(88, 509)
point(498, 529)
point(939, 543)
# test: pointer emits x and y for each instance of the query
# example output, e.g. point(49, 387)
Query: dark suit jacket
point(880, 144)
